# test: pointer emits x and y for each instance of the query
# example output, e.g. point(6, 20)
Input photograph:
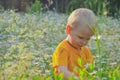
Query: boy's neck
point(67, 39)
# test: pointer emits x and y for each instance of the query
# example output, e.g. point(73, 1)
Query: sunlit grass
point(27, 42)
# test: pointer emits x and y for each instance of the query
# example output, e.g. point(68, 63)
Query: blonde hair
point(82, 17)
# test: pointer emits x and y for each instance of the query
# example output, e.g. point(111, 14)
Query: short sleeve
point(60, 57)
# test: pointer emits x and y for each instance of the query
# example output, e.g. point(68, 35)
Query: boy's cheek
point(79, 41)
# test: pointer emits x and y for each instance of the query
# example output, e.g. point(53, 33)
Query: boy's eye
point(80, 37)
point(83, 38)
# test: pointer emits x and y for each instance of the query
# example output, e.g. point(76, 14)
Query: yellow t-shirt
point(66, 55)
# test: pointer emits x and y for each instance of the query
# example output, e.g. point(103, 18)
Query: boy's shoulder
point(85, 47)
point(62, 44)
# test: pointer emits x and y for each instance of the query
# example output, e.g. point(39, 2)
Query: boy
point(79, 29)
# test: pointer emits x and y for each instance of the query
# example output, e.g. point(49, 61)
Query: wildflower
point(96, 37)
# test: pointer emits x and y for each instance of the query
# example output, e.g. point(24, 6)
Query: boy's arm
point(67, 74)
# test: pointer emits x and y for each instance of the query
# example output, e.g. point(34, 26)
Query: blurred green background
point(100, 7)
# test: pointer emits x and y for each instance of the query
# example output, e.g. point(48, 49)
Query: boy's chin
point(81, 46)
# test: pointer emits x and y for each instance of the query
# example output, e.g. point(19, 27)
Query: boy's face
point(79, 36)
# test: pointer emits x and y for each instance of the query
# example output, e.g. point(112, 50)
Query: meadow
point(27, 42)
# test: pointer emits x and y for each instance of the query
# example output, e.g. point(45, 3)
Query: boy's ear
point(68, 29)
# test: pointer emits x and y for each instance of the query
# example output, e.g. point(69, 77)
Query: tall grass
point(27, 42)
point(36, 7)
point(98, 6)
